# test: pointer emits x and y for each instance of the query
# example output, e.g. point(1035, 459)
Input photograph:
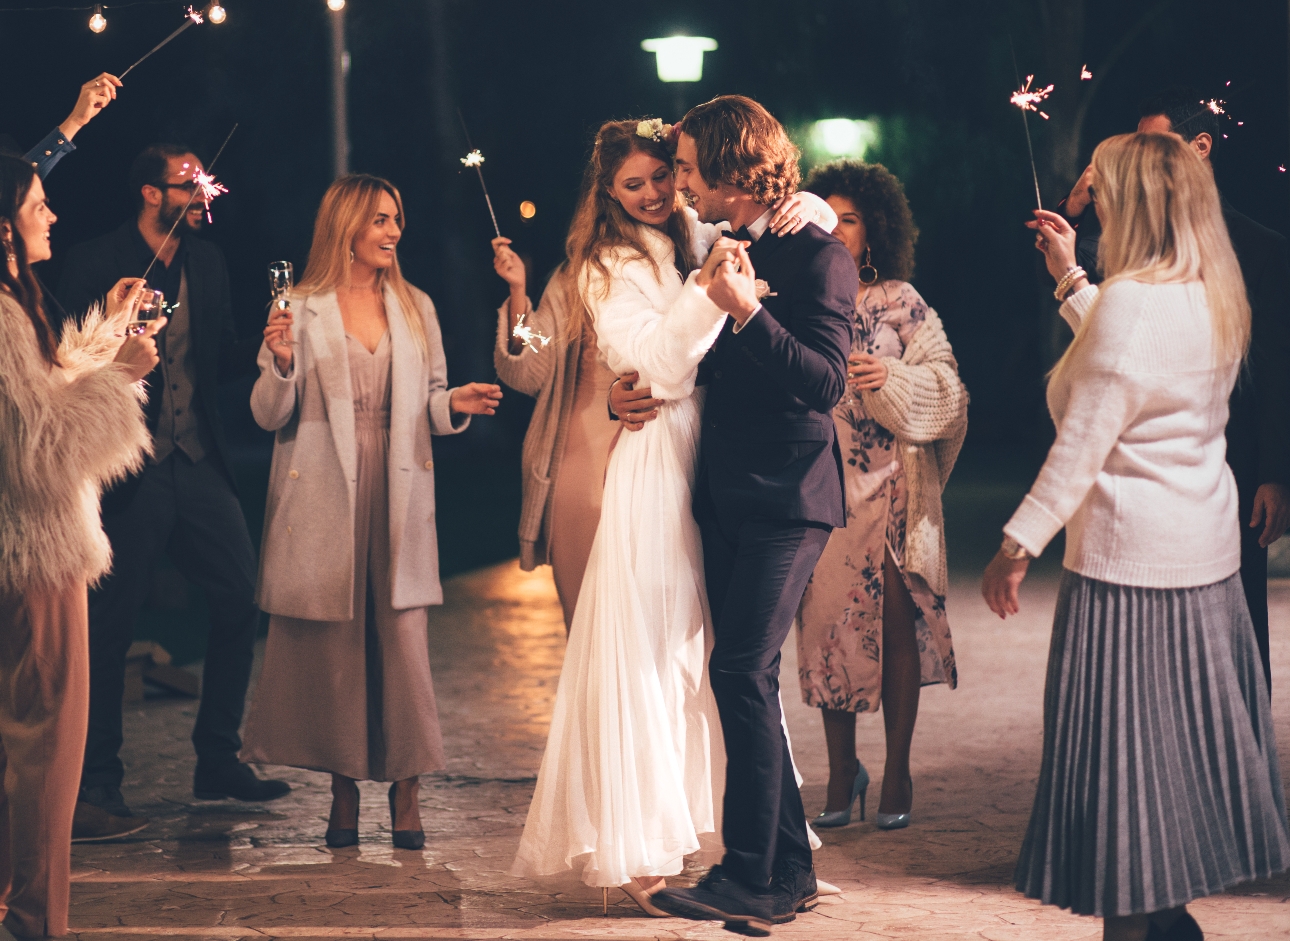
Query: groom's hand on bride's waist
point(630, 405)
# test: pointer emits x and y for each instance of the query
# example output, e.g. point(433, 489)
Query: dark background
point(535, 80)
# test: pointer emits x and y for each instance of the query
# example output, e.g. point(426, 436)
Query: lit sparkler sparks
point(1084, 73)
point(1028, 100)
point(205, 181)
point(1215, 105)
point(476, 159)
point(528, 336)
point(191, 18)
point(207, 189)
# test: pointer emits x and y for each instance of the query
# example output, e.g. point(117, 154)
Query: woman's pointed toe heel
point(840, 818)
point(340, 838)
point(404, 839)
point(893, 821)
point(643, 899)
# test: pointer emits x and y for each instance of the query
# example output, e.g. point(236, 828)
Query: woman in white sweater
point(1159, 781)
point(70, 424)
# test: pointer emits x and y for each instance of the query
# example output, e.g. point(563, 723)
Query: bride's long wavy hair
point(600, 224)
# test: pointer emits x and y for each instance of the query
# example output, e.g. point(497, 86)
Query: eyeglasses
point(189, 187)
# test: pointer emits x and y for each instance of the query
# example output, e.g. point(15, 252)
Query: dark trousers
point(190, 511)
point(757, 570)
point(1254, 579)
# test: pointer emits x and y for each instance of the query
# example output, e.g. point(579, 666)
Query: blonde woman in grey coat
point(354, 383)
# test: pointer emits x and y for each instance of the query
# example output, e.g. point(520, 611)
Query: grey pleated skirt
point(1159, 781)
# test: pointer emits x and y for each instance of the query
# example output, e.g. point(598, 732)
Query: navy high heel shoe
point(840, 818)
point(404, 839)
point(894, 821)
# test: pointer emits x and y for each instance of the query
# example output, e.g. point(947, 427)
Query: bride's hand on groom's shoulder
point(793, 213)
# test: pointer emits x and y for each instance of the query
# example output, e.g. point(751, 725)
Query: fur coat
point(66, 432)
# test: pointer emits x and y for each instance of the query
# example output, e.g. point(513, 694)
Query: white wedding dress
point(632, 778)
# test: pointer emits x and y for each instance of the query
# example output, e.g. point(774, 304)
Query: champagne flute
point(281, 282)
point(151, 302)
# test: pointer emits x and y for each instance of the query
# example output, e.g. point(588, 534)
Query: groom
point(769, 488)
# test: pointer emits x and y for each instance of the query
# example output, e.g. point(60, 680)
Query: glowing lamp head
point(527, 209)
point(216, 14)
point(98, 22)
point(679, 58)
point(335, 5)
point(843, 137)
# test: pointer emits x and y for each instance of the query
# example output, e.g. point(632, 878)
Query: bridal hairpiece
point(654, 129)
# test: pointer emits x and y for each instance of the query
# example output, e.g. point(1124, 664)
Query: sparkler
point(1084, 73)
point(1029, 100)
point(528, 336)
point(476, 159)
point(191, 18)
point(209, 189)
point(1215, 105)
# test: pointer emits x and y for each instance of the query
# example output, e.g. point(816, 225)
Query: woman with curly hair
point(872, 625)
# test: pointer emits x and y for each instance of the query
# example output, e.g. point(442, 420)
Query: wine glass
point(151, 302)
point(281, 281)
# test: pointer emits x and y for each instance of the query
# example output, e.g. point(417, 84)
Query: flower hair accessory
point(654, 129)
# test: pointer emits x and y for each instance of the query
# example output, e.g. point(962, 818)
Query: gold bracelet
point(1014, 550)
point(1064, 285)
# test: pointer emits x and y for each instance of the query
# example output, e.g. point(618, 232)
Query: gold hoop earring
point(868, 273)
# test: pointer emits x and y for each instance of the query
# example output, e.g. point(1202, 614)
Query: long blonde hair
point(1163, 222)
point(349, 206)
point(600, 223)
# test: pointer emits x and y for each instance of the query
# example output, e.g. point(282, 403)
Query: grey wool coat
point(307, 553)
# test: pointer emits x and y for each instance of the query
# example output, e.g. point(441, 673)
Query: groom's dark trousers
point(769, 492)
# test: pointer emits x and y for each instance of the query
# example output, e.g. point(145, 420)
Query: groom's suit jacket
point(769, 448)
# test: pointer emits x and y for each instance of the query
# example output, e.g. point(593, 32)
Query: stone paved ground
point(229, 871)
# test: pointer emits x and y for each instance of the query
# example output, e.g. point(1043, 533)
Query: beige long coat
point(307, 553)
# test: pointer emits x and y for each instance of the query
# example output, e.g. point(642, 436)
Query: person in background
point(872, 628)
point(1159, 782)
point(71, 423)
point(183, 502)
point(354, 383)
point(1258, 427)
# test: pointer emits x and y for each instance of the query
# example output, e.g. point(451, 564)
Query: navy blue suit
point(769, 492)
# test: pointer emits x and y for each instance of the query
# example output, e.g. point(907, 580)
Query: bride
point(634, 757)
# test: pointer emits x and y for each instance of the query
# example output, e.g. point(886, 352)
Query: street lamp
point(843, 137)
point(339, 95)
point(680, 58)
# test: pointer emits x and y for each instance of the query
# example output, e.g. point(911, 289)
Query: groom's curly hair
point(741, 143)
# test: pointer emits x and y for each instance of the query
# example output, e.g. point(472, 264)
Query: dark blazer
point(769, 447)
point(93, 267)
point(1258, 426)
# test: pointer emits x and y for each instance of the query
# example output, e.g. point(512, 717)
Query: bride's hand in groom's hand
point(734, 286)
point(724, 248)
point(633, 406)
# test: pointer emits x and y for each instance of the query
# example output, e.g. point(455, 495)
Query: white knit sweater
point(1138, 474)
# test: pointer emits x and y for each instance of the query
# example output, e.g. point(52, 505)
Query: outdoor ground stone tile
point(222, 871)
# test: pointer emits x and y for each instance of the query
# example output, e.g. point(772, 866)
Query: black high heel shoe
point(341, 837)
point(404, 839)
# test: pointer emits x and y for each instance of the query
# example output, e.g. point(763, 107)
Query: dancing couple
point(703, 551)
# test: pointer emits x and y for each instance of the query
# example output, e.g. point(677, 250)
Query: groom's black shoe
point(720, 898)
point(795, 883)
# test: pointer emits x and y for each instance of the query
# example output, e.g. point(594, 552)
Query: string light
point(335, 5)
point(527, 209)
point(216, 14)
point(98, 22)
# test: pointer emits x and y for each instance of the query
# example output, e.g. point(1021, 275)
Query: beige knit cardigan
point(924, 404)
point(549, 374)
point(66, 432)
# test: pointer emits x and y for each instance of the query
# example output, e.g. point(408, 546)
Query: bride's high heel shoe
point(643, 898)
point(840, 818)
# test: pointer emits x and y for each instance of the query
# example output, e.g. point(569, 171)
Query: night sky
point(535, 79)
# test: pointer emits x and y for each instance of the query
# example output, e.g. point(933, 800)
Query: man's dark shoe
point(795, 883)
point(237, 781)
point(720, 898)
point(91, 824)
point(107, 796)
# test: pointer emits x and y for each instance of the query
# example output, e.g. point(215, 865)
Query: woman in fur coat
point(70, 423)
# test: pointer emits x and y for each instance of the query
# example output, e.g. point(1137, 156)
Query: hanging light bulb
point(216, 14)
point(98, 22)
point(336, 5)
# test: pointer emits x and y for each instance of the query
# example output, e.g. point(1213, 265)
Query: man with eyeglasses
point(183, 502)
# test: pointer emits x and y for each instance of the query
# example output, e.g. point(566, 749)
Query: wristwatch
point(1014, 550)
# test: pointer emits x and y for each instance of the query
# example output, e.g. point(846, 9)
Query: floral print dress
point(839, 640)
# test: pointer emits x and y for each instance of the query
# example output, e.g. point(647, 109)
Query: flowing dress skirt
point(1159, 781)
point(634, 756)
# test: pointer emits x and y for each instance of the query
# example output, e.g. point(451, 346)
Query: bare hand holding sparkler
point(1055, 237)
point(96, 94)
